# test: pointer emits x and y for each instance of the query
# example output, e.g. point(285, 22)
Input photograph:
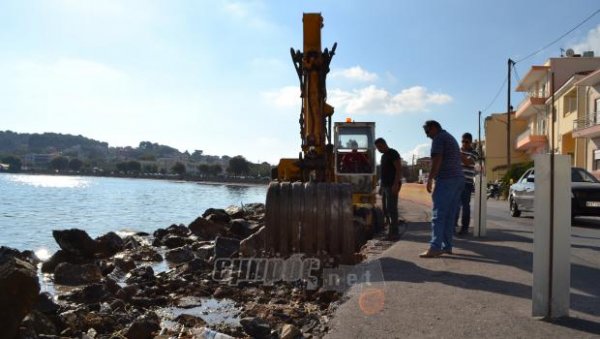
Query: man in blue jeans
point(447, 172)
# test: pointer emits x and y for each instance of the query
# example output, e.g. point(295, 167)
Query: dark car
point(585, 193)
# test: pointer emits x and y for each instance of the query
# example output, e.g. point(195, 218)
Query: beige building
point(586, 127)
point(494, 147)
point(542, 133)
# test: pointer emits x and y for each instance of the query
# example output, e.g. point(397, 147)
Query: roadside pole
point(480, 193)
point(552, 237)
point(479, 229)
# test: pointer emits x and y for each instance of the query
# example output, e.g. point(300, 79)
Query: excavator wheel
point(311, 218)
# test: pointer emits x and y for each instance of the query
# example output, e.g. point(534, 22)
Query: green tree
point(178, 168)
point(75, 164)
point(134, 166)
point(150, 168)
point(122, 166)
point(238, 165)
point(14, 163)
point(215, 170)
point(204, 169)
point(59, 163)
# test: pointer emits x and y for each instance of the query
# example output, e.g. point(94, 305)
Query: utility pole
point(413, 166)
point(508, 109)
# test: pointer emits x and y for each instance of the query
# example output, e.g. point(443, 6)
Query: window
point(596, 164)
point(570, 105)
point(541, 125)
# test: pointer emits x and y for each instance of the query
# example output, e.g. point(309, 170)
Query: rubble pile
point(159, 285)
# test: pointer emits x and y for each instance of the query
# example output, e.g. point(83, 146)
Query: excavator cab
point(355, 164)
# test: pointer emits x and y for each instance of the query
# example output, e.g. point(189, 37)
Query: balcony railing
point(528, 141)
point(591, 119)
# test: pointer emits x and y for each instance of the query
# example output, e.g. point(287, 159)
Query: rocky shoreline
point(116, 292)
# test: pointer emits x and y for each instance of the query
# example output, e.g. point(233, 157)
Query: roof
point(535, 74)
point(590, 80)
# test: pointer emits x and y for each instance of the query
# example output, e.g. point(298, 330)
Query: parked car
point(585, 194)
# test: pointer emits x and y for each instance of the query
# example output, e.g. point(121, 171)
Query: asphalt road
point(585, 231)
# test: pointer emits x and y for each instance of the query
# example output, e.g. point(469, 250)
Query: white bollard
point(552, 240)
point(480, 206)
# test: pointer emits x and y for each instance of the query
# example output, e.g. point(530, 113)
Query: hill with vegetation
point(66, 153)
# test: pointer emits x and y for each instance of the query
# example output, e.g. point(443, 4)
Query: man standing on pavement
point(447, 172)
point(391, 175)
point(468, 158)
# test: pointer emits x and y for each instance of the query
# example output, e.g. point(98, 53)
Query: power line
point(560, 37)
point(495, 97)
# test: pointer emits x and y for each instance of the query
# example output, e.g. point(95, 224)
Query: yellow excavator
point(323, 202)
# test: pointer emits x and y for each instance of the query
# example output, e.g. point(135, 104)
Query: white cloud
point(377, 100)
point(248, 13)
point(590, 43)
point(355, 73)
point(419, 151)
point(285, 97)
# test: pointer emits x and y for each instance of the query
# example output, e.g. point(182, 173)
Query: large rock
point(256, 327)
point(75, 241)
point(178, 230)
point(226, 247)
point(235, 212)
point(142, 253)
point(28, 256)
point(218, 214)
point(255, 208)
point(61, 256)
point(45, 304)
point(19, 289)
point(144, 327)
point(71, 274)
point(254, 244)
point(180, 255)
point(206, 229)
point(289, 331)
point(109, 244)
point(174, 241)
point(39, 323)
point(242, 228)
point(89, 294)
point(141, 274)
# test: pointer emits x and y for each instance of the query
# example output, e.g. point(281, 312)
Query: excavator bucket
point(311, 218)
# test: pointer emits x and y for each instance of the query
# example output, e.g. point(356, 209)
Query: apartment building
point(494, 147)
point(586, 127)
point(558, 76)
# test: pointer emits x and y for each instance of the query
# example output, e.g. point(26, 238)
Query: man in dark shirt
point(391, 175)
point(447, 171)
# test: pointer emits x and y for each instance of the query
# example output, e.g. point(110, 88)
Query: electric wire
point(560, 37)
point(496, 96)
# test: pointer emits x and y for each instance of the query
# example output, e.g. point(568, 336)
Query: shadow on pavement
point(584, 279)
point(582, 325)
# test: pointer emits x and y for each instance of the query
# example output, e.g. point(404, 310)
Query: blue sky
point(217, 75)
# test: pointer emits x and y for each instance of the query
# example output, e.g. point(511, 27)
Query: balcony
point(530, 106)
point(587, 127)
point(530, 143)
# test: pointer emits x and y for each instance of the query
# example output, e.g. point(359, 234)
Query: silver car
point(585, 193)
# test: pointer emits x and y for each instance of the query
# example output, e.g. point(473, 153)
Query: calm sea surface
point(31, 206)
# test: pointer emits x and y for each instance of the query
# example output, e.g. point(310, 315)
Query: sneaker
point(462, 233)
point(431, 253)
point(447, 251)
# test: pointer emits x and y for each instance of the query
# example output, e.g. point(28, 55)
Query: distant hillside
point(23, 143)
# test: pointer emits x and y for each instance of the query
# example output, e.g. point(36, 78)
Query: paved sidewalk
point(483, 290)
